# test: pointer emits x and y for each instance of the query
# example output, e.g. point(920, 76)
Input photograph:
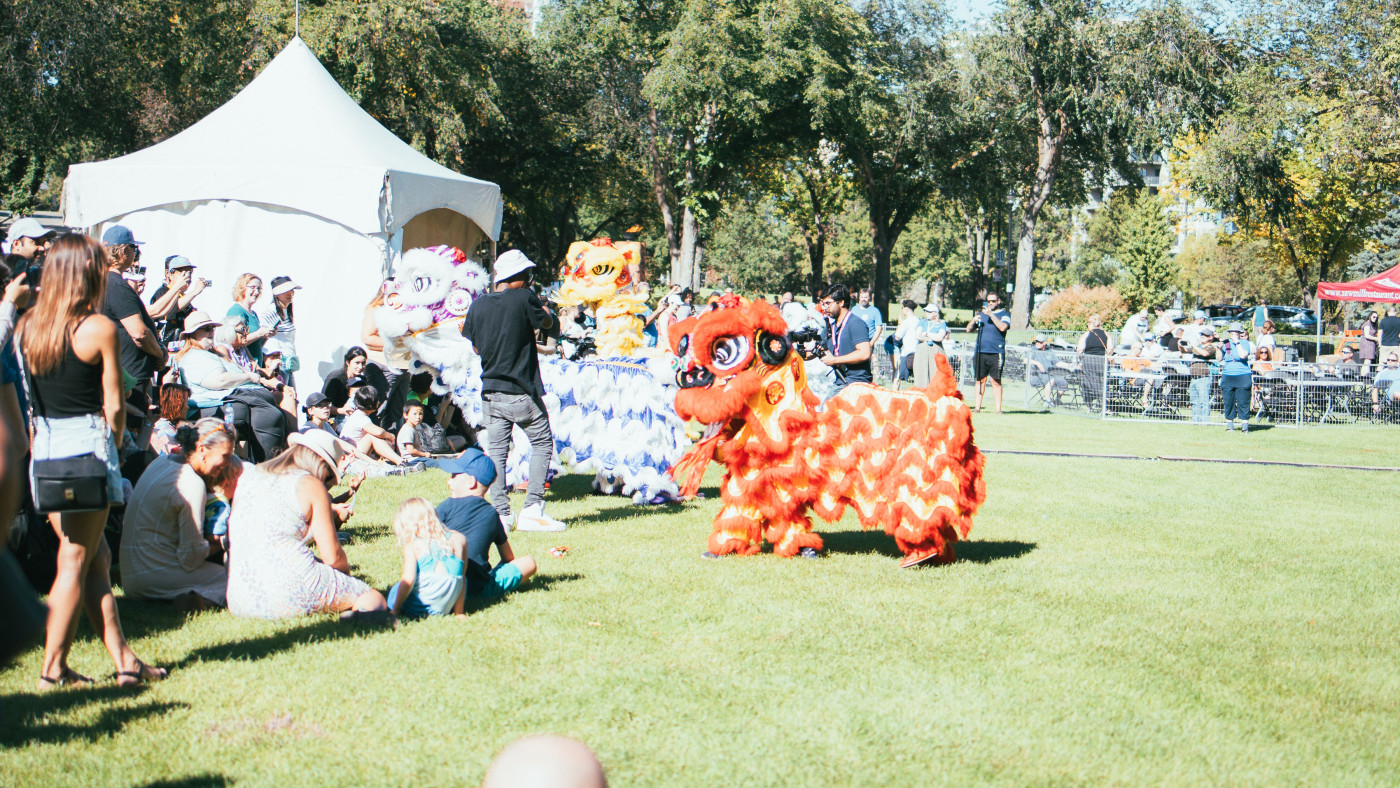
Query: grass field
point(1111, 621)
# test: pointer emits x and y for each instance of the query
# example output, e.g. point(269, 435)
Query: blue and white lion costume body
point(614, 418)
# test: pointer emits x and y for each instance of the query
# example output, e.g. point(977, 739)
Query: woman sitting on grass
point(272, 573)
point(434, 563)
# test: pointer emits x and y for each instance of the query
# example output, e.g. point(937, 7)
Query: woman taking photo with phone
point(73, 366)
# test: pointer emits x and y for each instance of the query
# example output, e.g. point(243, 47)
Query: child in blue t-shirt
point(434, 564)
point(468, 513)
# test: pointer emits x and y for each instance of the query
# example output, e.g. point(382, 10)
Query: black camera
point(805, 336)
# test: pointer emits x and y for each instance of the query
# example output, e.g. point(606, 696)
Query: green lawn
point(1111, 621)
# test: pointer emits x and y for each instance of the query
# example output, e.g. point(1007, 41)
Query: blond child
point(434, 563)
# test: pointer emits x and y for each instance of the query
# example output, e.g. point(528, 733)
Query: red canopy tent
point(1384, 287)
point(1381, 287)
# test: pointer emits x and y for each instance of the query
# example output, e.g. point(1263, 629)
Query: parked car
point(1224, 314)
point(1297, 317)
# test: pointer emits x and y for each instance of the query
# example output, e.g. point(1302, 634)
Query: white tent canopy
point(290, 177)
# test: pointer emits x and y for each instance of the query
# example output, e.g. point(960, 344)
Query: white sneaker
point(505, 522)
point(533, 518)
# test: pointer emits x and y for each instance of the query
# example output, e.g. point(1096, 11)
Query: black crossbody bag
point(70, 484)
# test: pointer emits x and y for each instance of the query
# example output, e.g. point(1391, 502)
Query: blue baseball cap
point(473, 463)
point(117, 235)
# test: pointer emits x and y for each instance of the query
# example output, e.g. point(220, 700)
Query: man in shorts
point(990, 324)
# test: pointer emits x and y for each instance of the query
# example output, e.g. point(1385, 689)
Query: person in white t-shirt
point(361, 431)
point(794, 313)
point(409, 436)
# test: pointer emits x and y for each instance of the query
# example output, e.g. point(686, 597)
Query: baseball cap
point(1039, 338)
point(1207, 331)
point(510, 264)
point(1201, 313)
point(28, 227)
point(135, 274)
point(282, 284)
point(315, 399)
point(118, 235)
point(473, 463)
point(176, 261)
point(931, 308)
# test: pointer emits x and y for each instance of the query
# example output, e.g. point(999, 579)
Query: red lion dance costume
point(903, 459)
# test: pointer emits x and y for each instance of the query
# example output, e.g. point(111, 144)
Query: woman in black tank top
point(73, 388)
point(78, 408)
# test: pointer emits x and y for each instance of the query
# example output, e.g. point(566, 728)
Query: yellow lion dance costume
point(903, 459)
point(593, 275)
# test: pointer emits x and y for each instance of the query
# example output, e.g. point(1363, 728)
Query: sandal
point(142, 675)
point(70, 678)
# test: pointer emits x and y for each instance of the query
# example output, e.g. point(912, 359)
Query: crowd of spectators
point(218, 469)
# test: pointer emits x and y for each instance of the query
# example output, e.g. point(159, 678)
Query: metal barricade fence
point(1174, 388)
point(1177, 389)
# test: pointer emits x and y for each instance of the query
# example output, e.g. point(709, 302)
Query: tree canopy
point(785, 144)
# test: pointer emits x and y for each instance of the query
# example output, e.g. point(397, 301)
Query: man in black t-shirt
point(1390, 332)
point(142, 353)
point(468, 477)
point(502, 326)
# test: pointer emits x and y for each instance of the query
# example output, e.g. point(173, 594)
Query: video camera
point(807, 341)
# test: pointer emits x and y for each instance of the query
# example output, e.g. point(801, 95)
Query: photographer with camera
point(990, 324)
point(847, 340)
point(1203, 353)
point(172, 302)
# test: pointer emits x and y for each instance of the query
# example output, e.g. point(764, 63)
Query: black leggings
point(270, 425)
point(1236, 390)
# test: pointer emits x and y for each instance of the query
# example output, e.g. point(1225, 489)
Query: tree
point(1305, 154)
point(889, 108)
point(1231, 270)
point(755, 249)
point(1144, 252)
point(1084, 85)
point(1382, 251)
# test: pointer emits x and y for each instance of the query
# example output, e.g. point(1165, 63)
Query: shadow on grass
point(192, 781)
point(536, 583)
point(878, 542)
point(316, 631)
point(22, 716)
point(985, 552)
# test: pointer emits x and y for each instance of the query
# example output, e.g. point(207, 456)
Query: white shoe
point(533, 518)
point(505, 523)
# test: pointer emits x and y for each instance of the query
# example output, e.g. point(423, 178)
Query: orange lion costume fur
point(903, 459)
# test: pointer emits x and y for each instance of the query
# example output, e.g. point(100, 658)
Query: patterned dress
point(272, 571)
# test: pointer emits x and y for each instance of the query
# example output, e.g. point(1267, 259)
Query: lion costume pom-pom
point(904, 460)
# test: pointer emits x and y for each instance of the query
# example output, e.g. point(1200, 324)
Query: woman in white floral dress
point(272, 572)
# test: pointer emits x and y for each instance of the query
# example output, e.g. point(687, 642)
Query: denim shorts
point(56, 439)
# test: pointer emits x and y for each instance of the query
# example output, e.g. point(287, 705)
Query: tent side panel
point(339, 269)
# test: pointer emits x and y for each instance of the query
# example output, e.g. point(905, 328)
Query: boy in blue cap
point(467, 512)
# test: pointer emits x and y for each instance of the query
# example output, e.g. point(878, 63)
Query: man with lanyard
point(502, 326)
point(991, 325)
point(848, 340)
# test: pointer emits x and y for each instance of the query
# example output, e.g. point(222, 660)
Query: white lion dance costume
point(612, 417)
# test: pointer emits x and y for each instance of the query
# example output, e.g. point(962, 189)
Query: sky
point(969, 11)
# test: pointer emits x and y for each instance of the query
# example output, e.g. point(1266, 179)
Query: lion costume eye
point(601, 270)
point(729, 353)
point(683, 346)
